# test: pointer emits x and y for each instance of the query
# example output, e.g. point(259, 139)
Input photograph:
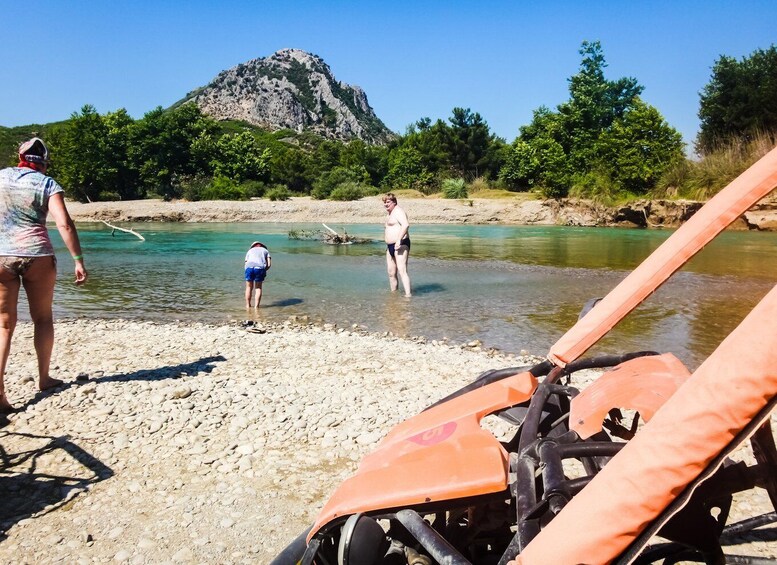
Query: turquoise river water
point(514, 288)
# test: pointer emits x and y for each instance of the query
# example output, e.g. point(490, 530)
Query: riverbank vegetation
point(604, 143)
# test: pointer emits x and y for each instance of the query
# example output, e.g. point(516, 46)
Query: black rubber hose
point(605, 361)
point(750, 524)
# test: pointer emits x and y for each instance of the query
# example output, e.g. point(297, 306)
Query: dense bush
point(192, 187)
point(702, 179)
point(278, 192)
point(223, 188)
point(348, 191)
point(254, 188)
point(329, 180)
point(108, 196)
point(454, 188)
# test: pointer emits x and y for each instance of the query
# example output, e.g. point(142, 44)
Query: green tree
point(522, 165)
point(330, 180)
point(123, 177)
point(740, 100)
point(373, 158)
point(640, 146)
point(595, 102)
point(326, 156)
point(427, 141)
point(407, 169)
point(84, 167)
point(467, 142)
point(292, 168)
point(602, 127)
point(162, 147)
point(240, 157)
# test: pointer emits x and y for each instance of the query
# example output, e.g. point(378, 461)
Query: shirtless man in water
point(397, 243)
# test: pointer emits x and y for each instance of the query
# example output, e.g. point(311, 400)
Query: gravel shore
point(174, 443)
point(202, 444)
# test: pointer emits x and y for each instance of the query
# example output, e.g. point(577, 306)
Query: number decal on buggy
point(434, 435)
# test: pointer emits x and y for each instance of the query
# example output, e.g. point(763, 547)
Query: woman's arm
point(67, 229)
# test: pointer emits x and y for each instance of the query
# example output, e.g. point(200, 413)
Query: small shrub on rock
point(192, 187)
point(254, 188)
point(108, 196)
point(347, 191)
point(454, 188)
point(223, 188)
point(278, 192)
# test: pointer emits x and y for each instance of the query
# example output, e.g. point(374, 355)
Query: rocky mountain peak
point(292, 89)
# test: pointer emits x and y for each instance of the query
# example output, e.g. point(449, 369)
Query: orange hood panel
point(642, 384)
point(440, 454)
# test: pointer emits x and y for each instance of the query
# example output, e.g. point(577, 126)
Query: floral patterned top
point(24, 205)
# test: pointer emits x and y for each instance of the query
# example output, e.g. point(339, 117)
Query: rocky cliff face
point(291, 89)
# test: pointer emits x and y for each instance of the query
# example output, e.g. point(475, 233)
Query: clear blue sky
point(414, 59)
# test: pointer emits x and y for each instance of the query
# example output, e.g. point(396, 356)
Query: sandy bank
point(305, 209)
point(509, 211)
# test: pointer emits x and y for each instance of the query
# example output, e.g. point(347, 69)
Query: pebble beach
point(200, 444)
point(173, 443)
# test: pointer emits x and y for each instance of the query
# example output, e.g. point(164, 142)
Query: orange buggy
point(441, 489)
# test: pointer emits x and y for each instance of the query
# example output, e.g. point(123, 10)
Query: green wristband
point(77, 257)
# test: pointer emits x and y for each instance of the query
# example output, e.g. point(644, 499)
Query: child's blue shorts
point(255, 274)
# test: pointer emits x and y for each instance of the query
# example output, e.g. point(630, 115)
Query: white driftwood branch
point(133, 232)
point(330, 229)
point(336, 238)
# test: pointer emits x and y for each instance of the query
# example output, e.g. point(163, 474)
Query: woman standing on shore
point(397, 239)
point(27, 258)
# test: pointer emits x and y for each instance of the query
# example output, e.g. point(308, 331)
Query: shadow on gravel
point(40, 474)
point(204, 365)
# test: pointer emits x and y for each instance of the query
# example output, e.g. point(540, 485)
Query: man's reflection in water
point(398, 314)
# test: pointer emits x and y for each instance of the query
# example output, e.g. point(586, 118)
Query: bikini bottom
point(16, 265)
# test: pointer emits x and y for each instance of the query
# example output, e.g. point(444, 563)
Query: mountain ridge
point(291, 89)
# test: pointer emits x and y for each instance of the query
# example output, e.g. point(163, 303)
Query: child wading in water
point(258, 262)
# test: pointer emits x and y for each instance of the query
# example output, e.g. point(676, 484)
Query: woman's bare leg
point(258, 293)
point(249, 292)
point(402, 254)
point(38, 283)
point(391, 267)
point(9, 298)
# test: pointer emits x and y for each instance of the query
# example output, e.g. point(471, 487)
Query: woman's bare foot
point(46, 383)
point(5, 406)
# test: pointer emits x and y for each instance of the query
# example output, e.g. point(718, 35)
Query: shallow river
point(514, 288)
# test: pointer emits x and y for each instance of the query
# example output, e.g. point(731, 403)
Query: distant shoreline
point(369, 210)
